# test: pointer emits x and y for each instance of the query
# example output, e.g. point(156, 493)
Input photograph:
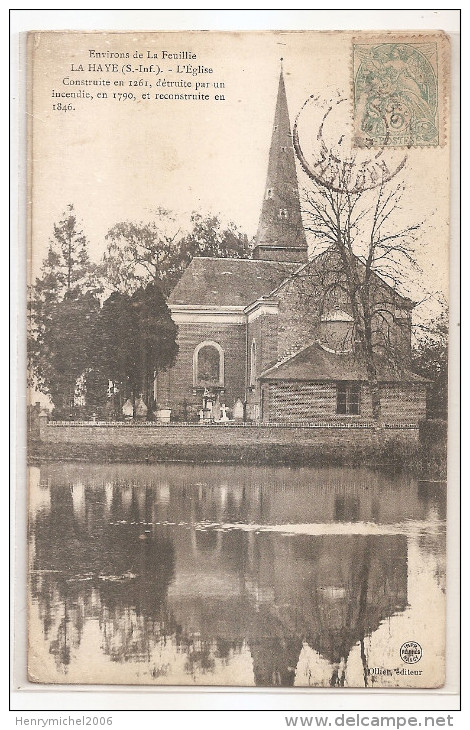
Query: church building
point(253, 347)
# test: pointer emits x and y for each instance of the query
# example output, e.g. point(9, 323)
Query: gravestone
point(128, 409)
point(238, 410)
point(140, 409)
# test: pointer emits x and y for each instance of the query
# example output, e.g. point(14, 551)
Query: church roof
point(315, 363)
point(229, 282)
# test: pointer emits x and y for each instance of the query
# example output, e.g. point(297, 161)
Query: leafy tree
point(66, 347)
point(157, 336)
point(430, 359)
point(115, 347)
point(158, 252)
point(134, 338)
point(116, 340)
point(71, 337)
point(62, 303)
point(72, 266)
point(138, 254)
point(208, 238)
point(96, 392)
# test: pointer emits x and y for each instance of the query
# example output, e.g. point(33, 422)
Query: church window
point(253, 363)
point(283, 213)
point(269, 193)
point(348, 399)
point(336, 299)
point(208, 365)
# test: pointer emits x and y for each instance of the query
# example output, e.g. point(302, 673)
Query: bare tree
point(350, 207)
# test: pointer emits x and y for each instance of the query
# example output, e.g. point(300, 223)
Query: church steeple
point(281, 235)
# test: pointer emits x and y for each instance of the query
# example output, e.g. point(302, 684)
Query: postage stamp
point(398, 92)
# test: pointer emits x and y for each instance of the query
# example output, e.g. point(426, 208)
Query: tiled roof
point(225, 282)
point(314, 363)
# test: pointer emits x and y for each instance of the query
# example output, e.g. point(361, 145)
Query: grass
point(427, 458)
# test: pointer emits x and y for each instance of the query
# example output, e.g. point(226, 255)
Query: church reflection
point(175, 572)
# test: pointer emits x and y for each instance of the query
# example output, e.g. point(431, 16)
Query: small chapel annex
point(248, 342)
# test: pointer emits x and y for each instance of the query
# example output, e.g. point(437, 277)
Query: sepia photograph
point(237, 348)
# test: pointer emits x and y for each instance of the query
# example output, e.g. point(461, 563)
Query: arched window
point(337, 324)
point(208, 365)
point(253, 363)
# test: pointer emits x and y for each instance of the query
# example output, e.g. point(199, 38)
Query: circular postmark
point(327, 153)
point(411, 652)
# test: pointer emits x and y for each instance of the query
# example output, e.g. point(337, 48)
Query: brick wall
point(301, 302)
point(301, 402)
point(176, 385)
point(404, 402)
point(298, 320)
point(148, 435)
point(285, 402)
point(264, 331)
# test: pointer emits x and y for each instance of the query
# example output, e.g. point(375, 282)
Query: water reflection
point(223, 575)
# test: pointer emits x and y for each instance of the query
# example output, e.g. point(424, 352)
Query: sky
point(121, 159)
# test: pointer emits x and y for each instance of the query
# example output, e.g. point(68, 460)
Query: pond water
point(230, 575)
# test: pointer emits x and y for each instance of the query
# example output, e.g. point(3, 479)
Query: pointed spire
point(281, 235)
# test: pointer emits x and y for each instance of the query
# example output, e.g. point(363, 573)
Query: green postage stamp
point(398, 92)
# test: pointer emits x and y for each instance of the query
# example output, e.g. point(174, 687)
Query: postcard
point(238, 275)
